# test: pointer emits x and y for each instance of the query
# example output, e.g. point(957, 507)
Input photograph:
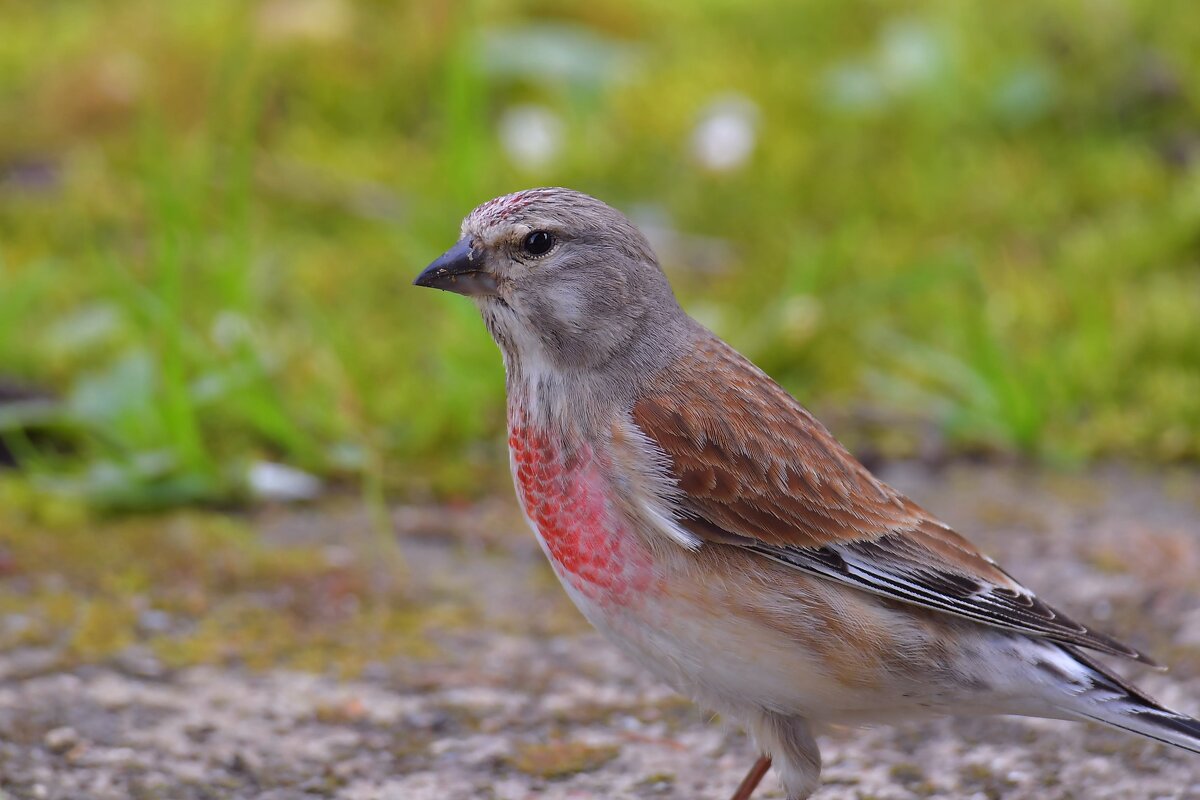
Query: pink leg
point(751, 781)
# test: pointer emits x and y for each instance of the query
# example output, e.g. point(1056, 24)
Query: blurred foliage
point(980, 217)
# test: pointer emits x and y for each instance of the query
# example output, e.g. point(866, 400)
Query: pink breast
point(565, 495)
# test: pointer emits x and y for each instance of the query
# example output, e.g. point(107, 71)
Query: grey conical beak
point(461, 270)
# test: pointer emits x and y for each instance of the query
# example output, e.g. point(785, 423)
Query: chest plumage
point(563, 490)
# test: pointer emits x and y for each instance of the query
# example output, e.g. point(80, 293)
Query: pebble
point(60, 740)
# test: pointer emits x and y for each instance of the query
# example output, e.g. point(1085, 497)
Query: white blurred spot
point(910, 54)
point(230, 329)
point(531, 135)
point(279, 482)
point(89, 327)
point(724, 138)
point(552, 54)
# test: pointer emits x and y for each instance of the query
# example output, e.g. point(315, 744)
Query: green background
point(963, 227)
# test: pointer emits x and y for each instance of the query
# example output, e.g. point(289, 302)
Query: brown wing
point(756, 470)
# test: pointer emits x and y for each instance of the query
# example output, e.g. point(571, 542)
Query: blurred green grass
point(977, 220)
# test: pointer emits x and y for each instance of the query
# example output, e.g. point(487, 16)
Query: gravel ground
point(526, 702)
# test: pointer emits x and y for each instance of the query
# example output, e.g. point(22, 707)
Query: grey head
point(563, 280)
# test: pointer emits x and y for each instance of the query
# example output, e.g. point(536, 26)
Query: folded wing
point(754, 469)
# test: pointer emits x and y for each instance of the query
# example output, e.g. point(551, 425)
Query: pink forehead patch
point(504, 208)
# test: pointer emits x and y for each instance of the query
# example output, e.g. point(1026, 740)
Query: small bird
point(719, 535)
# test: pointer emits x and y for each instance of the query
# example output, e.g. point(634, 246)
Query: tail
point(1113, 701)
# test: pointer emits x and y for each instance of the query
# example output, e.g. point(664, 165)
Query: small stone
point(246, 762)
point(140, 662)
point(152, 621)
point(60, 740)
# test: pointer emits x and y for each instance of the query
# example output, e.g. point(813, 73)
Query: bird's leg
point(751, 781)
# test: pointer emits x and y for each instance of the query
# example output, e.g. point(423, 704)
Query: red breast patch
point(566, 497)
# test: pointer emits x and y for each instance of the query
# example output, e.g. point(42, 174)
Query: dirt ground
point(525, 701)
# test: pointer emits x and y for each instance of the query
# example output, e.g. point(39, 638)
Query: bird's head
point(559, 276)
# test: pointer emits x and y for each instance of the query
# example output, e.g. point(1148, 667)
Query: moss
point(657, 779)
point(225, 596)
point(656, 783)
point(105, 626)
point(906, 772)
point(1107, 560)
point(983, 778)
point(560, 759)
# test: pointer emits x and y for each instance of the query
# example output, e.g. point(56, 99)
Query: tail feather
point(1113, 701)
point(1157, 723)
point(1183, 731)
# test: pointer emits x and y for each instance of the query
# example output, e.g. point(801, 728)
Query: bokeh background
point(952, 227)
point(954, 230)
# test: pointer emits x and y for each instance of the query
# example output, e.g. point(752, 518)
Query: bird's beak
point(461, 270)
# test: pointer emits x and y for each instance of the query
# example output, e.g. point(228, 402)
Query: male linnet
point(718, 534)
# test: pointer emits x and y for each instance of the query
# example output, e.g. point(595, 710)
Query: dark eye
point(538, 243)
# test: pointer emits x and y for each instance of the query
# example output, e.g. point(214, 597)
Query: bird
point(717, 533)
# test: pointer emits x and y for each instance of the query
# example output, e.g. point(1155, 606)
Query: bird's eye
point(537, 243)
